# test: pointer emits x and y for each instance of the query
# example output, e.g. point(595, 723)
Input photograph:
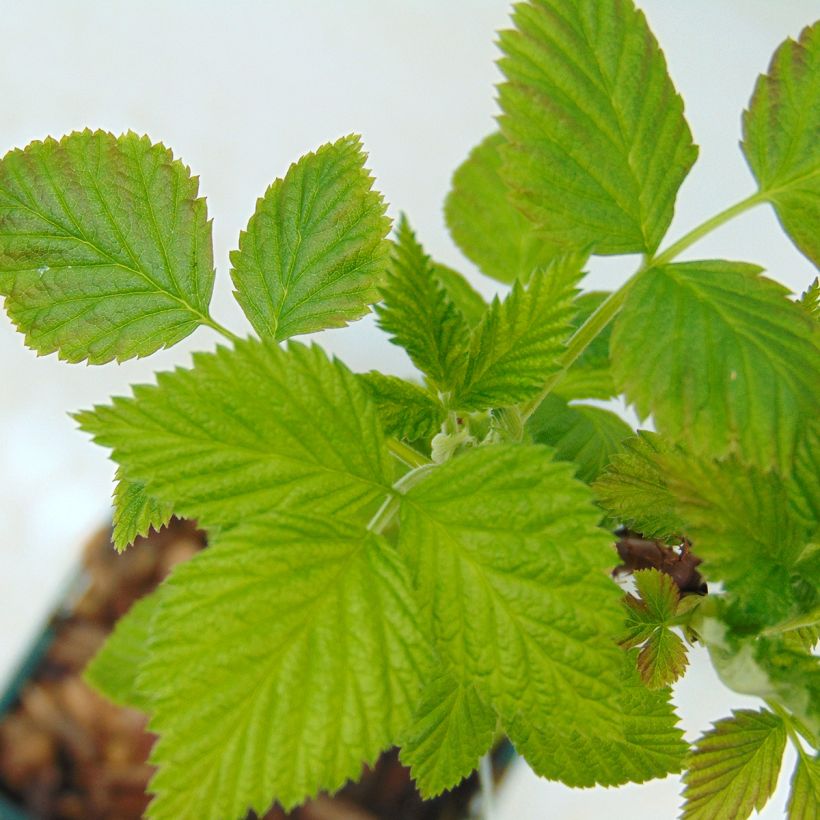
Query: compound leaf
point(634, 490)
point(420, 316)
point(597, 142)
point(662, 659)
point(586, 435)
point(721, 358)
point(405, 409)
point(492, 233)
point(451, 729)
point(248, 430)
point(105, 248)
point(135, 512)
point(781, 138)
point(511, 573)
point(282, 659)
point(114, 670)
point(518, 342)
point(739, 521)
point(804, 797)
point(314, 252)
point(734, 767)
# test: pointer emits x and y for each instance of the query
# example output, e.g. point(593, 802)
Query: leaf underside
point(105, 247)
point(314, 252)
point(597, 145)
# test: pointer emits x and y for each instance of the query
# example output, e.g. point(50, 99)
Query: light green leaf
point(804, 798)
point(462, 294)
point(451, 729)
point(588, 436)
point(633, 488)
point(282, 659)
point(512, 575)
point(248, 430)
point(734, 767)
point(781, 138)
point(597, 142)
point(136, 513)
point(662, 659)
point(659, 595)
point(721, 358)
point(804, 483)
point(105, 248)
point(810, 299)
point(420, 316)
point(590, 376)
point(517, 343)
point(739, 522)
point(314, 252)
point(114, 670)
point(484, 224)
point(405, 409)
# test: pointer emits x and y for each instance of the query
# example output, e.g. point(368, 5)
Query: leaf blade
point(136, 513)
point(105, 247)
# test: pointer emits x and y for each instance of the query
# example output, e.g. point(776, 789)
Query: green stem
point(213, 324)
point(607, 310)
point(406, 454)
point(704, 228)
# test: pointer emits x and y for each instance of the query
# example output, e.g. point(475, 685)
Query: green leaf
point(282, 659)
point(114, 670)
point(662, 660)
point(462, 294)
point(517, 343)
point(105, 248)
point(804, 798)
point(590, 376)
point(314, 252)
point(588, 436)
point(598, 145)
point(136, 513)
point(720, 357)
point(781, 138)
point(633, 488)
point(804, 483)
point(740, 525)
point(734, 767)
point(810, 299)
point(420, 316)
point(451, 729)
point(405, 409)
point(248, 430)
point(511, 572)
point(491, 233)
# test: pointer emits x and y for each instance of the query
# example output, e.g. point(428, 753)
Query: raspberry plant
point(429, 565)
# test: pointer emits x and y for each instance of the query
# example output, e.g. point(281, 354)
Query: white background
point(240, 90)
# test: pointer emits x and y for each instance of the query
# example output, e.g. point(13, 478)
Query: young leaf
point(105, 248)
point(114, 670)
point(733, 769)
point(781, 138)
point(511, 573)
point(484, 224)
point(420, 316)
point(598, 145)
point(721, 358)
point(633, 488)
point(405, 409)
point(804, 798)
point(810, 299)
point(248, 430)
point(282, 659)
point(517, 343)
point(462, 294)
point(314, 252)
point(739, 522)
point(451, 729)
point(662, 659)
point(590, 376)
point(135, 512)
point(588, 436)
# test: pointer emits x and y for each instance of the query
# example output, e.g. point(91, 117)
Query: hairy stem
point(609, 308)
